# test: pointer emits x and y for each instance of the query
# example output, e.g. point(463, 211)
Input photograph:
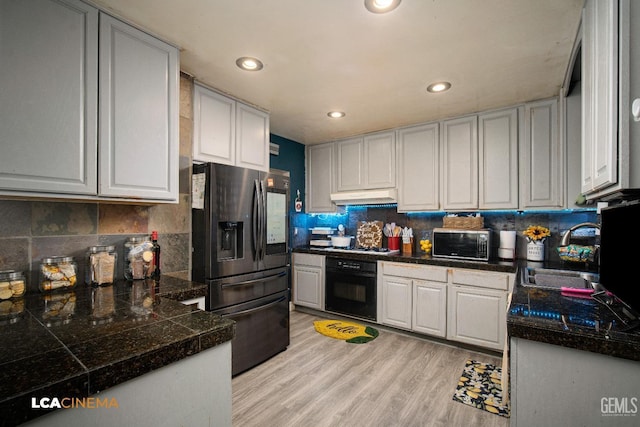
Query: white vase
point(535, 251)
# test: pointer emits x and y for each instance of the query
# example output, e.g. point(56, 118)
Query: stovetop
point(377, 251)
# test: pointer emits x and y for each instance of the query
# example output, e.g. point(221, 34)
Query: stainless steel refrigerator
point(240, 224)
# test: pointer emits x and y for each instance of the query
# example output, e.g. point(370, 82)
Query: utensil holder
point(394, 243)
point(407, 248)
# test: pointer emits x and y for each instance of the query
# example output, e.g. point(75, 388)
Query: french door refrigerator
point(240, 224)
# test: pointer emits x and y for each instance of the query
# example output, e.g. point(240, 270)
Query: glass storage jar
point(58, 272)
point(101, 265)
point(12, 284)
point(138, 258)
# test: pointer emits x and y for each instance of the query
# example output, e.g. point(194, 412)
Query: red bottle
point(156, 255)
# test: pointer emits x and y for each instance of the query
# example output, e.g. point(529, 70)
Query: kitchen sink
point(555, 279)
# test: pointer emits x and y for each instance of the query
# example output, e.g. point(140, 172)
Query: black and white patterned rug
point(480, 386)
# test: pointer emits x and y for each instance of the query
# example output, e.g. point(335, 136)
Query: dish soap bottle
point(156, 255)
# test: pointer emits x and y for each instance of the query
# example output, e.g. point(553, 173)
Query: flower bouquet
point(536, 235)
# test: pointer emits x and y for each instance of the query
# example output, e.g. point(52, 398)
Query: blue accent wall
point(291, 158)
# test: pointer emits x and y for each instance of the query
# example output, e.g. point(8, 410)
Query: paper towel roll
point(508, 239)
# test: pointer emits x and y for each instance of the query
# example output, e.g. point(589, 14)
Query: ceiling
point(323, 55)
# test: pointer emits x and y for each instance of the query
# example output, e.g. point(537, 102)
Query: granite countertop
point(81, 342)
point(579, 322)
point(493, 265)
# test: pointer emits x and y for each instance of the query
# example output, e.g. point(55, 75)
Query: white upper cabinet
point(229, 132)
point(350, 164)
point(252, 137)
point(460, 163)
point(541, 157)
point(498, 159)
point(610, 84)
point(600, 94)
point(366, 162)
point(139, 86)
point(53, 101)
point(49, 86)
point(418, 168)
point(214, 133)
point(320, 175)
point(380, 160)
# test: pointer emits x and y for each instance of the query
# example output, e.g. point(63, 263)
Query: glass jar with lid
point(58, 272)
point(12, 284)
point(101, 265)
point(138, 258)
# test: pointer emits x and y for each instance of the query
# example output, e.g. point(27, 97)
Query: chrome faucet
point(567, 235)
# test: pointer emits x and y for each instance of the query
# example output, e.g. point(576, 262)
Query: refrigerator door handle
point(259, 308)
point(263, 233)
point(255, 221)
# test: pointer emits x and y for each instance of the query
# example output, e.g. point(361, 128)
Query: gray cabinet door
point(139, 104)
point(541, 157)
point(252, 138)
point(320, 178)
point(418, 168)
point(498, 159)
point(460, 163)
point(48, 82)
point(214, 127)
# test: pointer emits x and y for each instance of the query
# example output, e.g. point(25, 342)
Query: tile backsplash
point(557, 221)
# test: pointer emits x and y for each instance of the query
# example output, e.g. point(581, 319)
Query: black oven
point(351, 287)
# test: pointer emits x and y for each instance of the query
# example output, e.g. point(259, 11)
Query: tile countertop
point(78, 343)
point(550, 317)
point(539, 315)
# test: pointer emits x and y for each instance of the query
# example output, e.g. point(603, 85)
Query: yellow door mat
point(350, 332)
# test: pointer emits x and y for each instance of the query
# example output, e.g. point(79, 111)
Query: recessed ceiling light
point(248, 63)
point(381, 6)
point(438, 87)
point(336, 114)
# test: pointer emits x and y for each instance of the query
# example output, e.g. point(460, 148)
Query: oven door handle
point(349, 272)
point(256, 309)
point(252, 281)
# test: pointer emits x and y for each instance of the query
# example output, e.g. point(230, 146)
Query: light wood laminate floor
point(395, 380)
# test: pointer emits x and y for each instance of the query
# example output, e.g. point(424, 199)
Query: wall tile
point(61, 218)
point(186, 96)
point(175, 252)
point(120, 219)
point(184, 186)
point(15, 218)
point(186, 136)
point(171, 218)
point(14, 254)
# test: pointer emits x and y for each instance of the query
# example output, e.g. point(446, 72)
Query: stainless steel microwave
point(463, 244)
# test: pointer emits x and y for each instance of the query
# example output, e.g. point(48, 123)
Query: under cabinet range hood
point(365, 197)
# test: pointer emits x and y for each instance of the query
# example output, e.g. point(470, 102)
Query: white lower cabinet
point(413, 297)
point(198, 302)
point(430, 307)
point(308, 280)
point(397, 297)
point(477, 307)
